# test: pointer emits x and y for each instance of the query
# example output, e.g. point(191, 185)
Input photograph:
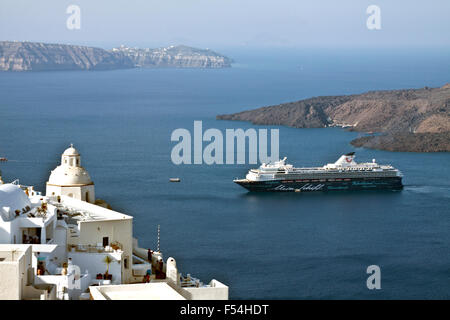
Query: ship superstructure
point(344, 174)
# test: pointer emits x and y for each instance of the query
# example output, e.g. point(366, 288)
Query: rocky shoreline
point(36, 56)
point(406, 142)
point(414, 120)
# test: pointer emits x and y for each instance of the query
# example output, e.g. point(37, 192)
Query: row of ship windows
point(333, 170)
point(326, 180)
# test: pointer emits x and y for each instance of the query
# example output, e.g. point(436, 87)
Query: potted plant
point(64, 269)
point(115, 245)
point(107, 260)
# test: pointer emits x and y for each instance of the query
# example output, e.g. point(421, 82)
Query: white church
point(71, 179)
point(62, 245)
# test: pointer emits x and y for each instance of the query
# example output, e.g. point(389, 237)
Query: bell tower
point(71, 159)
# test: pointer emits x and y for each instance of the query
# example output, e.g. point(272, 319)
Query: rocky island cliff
point(36, 56)
point(174, 56)
point(416, 120)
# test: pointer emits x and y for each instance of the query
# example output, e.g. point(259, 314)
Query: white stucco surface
point(145, 291)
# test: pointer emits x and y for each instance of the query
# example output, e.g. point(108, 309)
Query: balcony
point(94, 248)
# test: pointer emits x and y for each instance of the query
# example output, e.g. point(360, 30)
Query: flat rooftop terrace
point(83, 211)
point(141, 291)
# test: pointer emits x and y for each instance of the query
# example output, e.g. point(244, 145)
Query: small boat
point(174, 179)
point(3, 159)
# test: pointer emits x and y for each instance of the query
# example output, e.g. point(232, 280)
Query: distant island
point(410, 120)
point(37, 56)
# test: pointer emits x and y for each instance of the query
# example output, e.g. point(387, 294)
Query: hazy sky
point(234, 23)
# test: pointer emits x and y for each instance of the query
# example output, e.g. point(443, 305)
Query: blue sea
point(264, 246)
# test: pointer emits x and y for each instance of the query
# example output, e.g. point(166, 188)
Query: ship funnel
point(346, 160)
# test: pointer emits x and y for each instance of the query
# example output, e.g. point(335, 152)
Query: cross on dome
point(71, 151)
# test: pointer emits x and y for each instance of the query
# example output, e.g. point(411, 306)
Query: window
point(105, 241)
point(125, 263)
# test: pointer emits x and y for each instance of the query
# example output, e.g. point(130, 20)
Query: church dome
point(12, 198)
point(70, 172)
point(71, 151)
point(68, 175)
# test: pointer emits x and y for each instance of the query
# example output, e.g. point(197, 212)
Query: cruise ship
point(344, 174)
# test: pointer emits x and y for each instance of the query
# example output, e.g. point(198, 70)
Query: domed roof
point(12, 198)
point(71, 151)
point(68, 175)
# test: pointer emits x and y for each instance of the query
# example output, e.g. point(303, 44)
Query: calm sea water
point(269, 246)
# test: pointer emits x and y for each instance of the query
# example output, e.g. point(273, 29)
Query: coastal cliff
point(415, 120)
point(175, 56)
point(35, 56)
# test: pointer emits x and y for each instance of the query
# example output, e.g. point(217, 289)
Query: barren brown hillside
point(408, 114)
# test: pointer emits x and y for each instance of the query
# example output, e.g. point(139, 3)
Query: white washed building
point(62, 246)
point(71, 179)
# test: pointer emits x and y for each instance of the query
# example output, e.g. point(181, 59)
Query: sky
point(229, 23)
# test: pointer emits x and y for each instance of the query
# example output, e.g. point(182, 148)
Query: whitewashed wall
point(94, 263)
